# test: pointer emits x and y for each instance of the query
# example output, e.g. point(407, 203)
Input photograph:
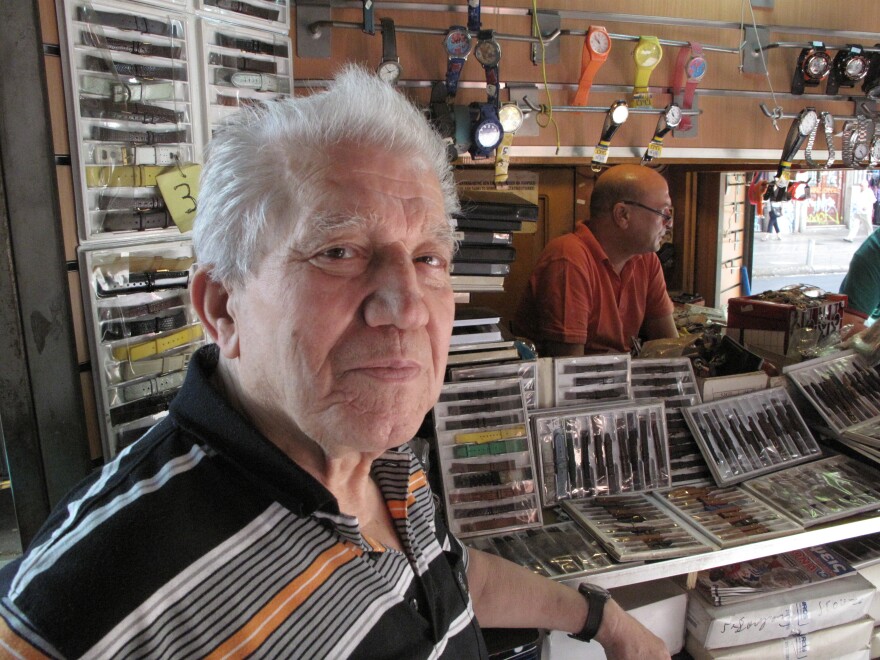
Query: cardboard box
point(776, 326)
point(849, 640)
point(872, 574)
point(792, 612)
point(660, 606)
point(875, 643)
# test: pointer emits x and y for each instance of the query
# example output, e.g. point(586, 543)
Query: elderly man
point(594, 290)
point(277, 510)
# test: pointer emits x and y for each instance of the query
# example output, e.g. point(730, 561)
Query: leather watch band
point(252, 45)
point(112, 330)
point(238, 101)
point(145, 349)
point(128, 412)
point(145, 71)
point(149, 281)
point(137, 220)
point(144, 48)
point(114, 154)
point(127, 92)
point(120, 372)
point(113, 202)
point(139, 112)
point(112, 312)
point(125, 176)
point(259, 82)
point(153, 386)
point(244, 8)
point(135, 137)
point(242, 63)
point(128, 22)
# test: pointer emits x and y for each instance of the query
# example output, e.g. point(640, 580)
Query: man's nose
point(397, 296)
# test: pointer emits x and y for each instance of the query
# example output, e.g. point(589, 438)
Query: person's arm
point(662, 327)
point(506, 595)
point(560, 349)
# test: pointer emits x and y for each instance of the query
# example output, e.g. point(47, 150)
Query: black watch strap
point(142, 71)
point(252, 45)
point(135, 137)
point(127, 22)
point(389, 40)
point(134, 111)
point(137, 220)
point(243, 63)
point(244, 8)
point(596, 598)
point(134, 47)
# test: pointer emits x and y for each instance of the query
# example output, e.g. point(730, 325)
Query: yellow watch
point(511, 117)
point(647, 56)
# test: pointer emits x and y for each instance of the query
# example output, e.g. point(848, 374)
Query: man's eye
point(337, 253)
point(432, 260)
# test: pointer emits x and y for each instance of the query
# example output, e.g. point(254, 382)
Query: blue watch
point(457, 42)
point(486, 130)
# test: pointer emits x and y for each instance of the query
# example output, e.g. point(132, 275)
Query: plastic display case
point(591, 379)
point(143, 330)
point(271, 15)
point(526, 371)
point(485, 460)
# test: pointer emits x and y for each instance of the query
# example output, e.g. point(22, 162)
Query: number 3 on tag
point(180, 190)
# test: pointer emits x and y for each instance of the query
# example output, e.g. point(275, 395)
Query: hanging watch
point(457, 42)
point(861, 149)
point(369, 17)
point(474, 22)
point(617, 115)
point(871, 83)
point(488, 53)
point(690, 69)
point(669, 119)
point(875, 151)
point(486, 131)
point(849, 136)
point(827, 122)
point(647, 56)
point(813, 66)
point(800, 128)
point(850, 65)
point(597, 46)
point(511, 118)
point(389, 68)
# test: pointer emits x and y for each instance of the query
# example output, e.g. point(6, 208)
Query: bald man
point(596, 288)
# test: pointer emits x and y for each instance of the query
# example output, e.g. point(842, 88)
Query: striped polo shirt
point(203, 539)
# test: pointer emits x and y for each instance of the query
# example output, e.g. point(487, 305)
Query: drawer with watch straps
point(262, 14)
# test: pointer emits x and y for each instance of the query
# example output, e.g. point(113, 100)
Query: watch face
point(488, 52)
point(488, 134)
point(875, 150)
point(389, 71)
point(860, 151)
point(808, 122)
point(648, 53)
point(619, 113)
point(673, 116)
point(817, 65)
point(696, 68)
point(856, 67)
point(600, 43)
point(457, 42)
point(511, 117)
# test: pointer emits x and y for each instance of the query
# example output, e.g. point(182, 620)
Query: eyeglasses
point(667, 214)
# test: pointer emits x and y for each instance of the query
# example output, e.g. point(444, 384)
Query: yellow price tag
point(180, 190)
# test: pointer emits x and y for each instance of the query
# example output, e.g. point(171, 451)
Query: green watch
point(596, 598)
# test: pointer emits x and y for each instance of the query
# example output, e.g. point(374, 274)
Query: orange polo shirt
point(575, 297)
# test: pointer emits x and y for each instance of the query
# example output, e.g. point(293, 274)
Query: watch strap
point(153, 386)
point(252, 45)
point(238, 101)
point(242, 63)
point(146, 71)
point(123, 176)
point(114, 154)
point(145, 349)
point(259, 82)
point(848, 136)
point(121, 372)
point(144, 48)
point(128, 412)
point(502, 159)
point(114, 202)
point(589, 67)
point(133, 111)
point(596, 600)
point(474, 21)
point(454, 65)
point(244, 8)
point(144, 282)
point(137, 220)
point(132, 22)
point(389, 40)
point(691, 84)
point(119, 329)
point(127, 92)
point(112, 312)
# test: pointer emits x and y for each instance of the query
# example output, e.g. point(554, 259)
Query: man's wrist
point(597, 598)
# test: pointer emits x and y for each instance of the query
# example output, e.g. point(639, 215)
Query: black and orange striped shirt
point(204, 539)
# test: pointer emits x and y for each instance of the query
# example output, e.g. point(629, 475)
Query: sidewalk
point(817, 251)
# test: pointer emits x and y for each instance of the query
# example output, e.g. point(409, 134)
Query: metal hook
point(774, 116)
point(532, 106)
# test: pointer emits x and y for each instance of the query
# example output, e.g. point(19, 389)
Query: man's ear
point(620, 215)
point(213, 303)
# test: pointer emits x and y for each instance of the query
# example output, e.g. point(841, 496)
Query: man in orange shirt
point(595, 289)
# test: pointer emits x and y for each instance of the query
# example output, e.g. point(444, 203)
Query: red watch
point(690, 68)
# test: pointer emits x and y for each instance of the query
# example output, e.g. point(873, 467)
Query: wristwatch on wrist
point(617, 115)
point(486, 130)
point(389, 68)
point(800, 128)
point(488, 53)
point(669, 119)
point(457, 43)
point(813, 66)
point(690, 69)
point(597, 46)
point(596, 598)
point(850, 65)
point(511, 117)
point(647, 56)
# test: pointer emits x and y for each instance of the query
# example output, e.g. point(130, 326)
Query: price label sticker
point(180, 190)
point(655, 148)
point(642, 100)
point(600, 154)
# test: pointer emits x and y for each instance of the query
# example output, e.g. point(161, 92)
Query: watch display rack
point(525, 370)
point(819, 492)
point(591, 379)
point(728, 516)
point(554, 551)
point(673, 381)
point(843, 389)
point(243, 67)
point(271, 15)
point(485, 460)
point(601, 450)
point(133, 109)
point(142, 330)
point(636, 528)
point(751, 434)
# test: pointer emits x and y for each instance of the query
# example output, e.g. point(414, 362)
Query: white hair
point(263, 166)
